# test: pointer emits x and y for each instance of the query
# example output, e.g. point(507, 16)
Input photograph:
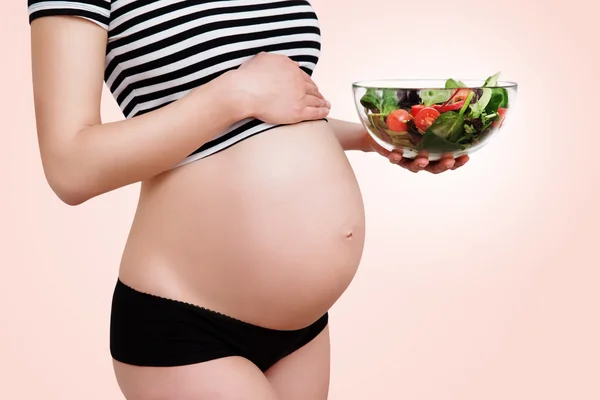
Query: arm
point(82, 157)
point(351, 135)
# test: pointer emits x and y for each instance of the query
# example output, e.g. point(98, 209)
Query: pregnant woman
point(250, 222)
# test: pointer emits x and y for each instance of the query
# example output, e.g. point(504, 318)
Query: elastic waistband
point(126, 290)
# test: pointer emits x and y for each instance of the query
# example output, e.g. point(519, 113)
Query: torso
point(262, 223)
point(270, 231)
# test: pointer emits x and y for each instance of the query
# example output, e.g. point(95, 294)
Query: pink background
point(476, 284)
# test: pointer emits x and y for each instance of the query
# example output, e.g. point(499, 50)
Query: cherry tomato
point(425, 118)
point(502, 114)
point(397, 120)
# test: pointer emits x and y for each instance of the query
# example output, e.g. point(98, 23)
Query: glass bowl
point(433, 117)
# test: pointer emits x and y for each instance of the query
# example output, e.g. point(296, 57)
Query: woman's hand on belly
point(275, 90)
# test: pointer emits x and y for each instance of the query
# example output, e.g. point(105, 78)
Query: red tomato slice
point(502, 114)
point(450, 107)
point(416, 108)
point(461, 96)
point(397, 120)
point(438, 107)
point(425, 118)
point(456, 101)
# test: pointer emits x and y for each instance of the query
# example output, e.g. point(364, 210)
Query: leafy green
point(450, 125)
point(444, 125)
point(371, 100)
point(434, 96)
point(432, 142)
point(466, 139)
point(470, 129)
point(488, 119)
point(492, 80)
point(499, 99)
point(389, 102)
point(382, 104)
point(499, 95)
point(478, 108)
point(453, 84)
point(491, 98)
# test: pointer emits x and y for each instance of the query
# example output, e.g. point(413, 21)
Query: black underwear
point(148, 330)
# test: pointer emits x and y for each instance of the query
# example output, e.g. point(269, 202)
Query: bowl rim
point(380, 84)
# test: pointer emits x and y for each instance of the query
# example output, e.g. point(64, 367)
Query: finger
point(310, 113)
point(395, 156)
point(410, 165)
point(442, 165)
point(418, 164)
point(413, 164)
point(312, 89)
point(313, 85)
point(460, 161)
point(314, 101)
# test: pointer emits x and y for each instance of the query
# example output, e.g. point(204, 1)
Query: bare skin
point(270, 231)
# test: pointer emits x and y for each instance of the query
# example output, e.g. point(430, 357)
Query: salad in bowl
point(433, 117)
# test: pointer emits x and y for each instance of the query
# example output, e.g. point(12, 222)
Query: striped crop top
point(159, 50)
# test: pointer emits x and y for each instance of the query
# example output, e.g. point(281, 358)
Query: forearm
point(351, 135)
point(108, 156)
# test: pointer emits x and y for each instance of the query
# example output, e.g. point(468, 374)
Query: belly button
point(349, 235)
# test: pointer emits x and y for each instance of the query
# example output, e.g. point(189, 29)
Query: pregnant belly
point(270, 231)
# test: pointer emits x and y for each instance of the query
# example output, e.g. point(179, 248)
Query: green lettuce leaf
point(432, 96)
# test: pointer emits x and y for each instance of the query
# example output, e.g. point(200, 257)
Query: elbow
point(68, 188)
point(71, 198)
point(67, 172)
point(70, 195)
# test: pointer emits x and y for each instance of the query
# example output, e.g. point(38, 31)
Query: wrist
point(361, 140)
point(241, 100)
point(365, 142)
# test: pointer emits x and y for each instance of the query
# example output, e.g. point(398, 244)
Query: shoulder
point(97, 11)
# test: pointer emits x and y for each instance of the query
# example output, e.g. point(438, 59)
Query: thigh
point(229, 378)
point(305, 373)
